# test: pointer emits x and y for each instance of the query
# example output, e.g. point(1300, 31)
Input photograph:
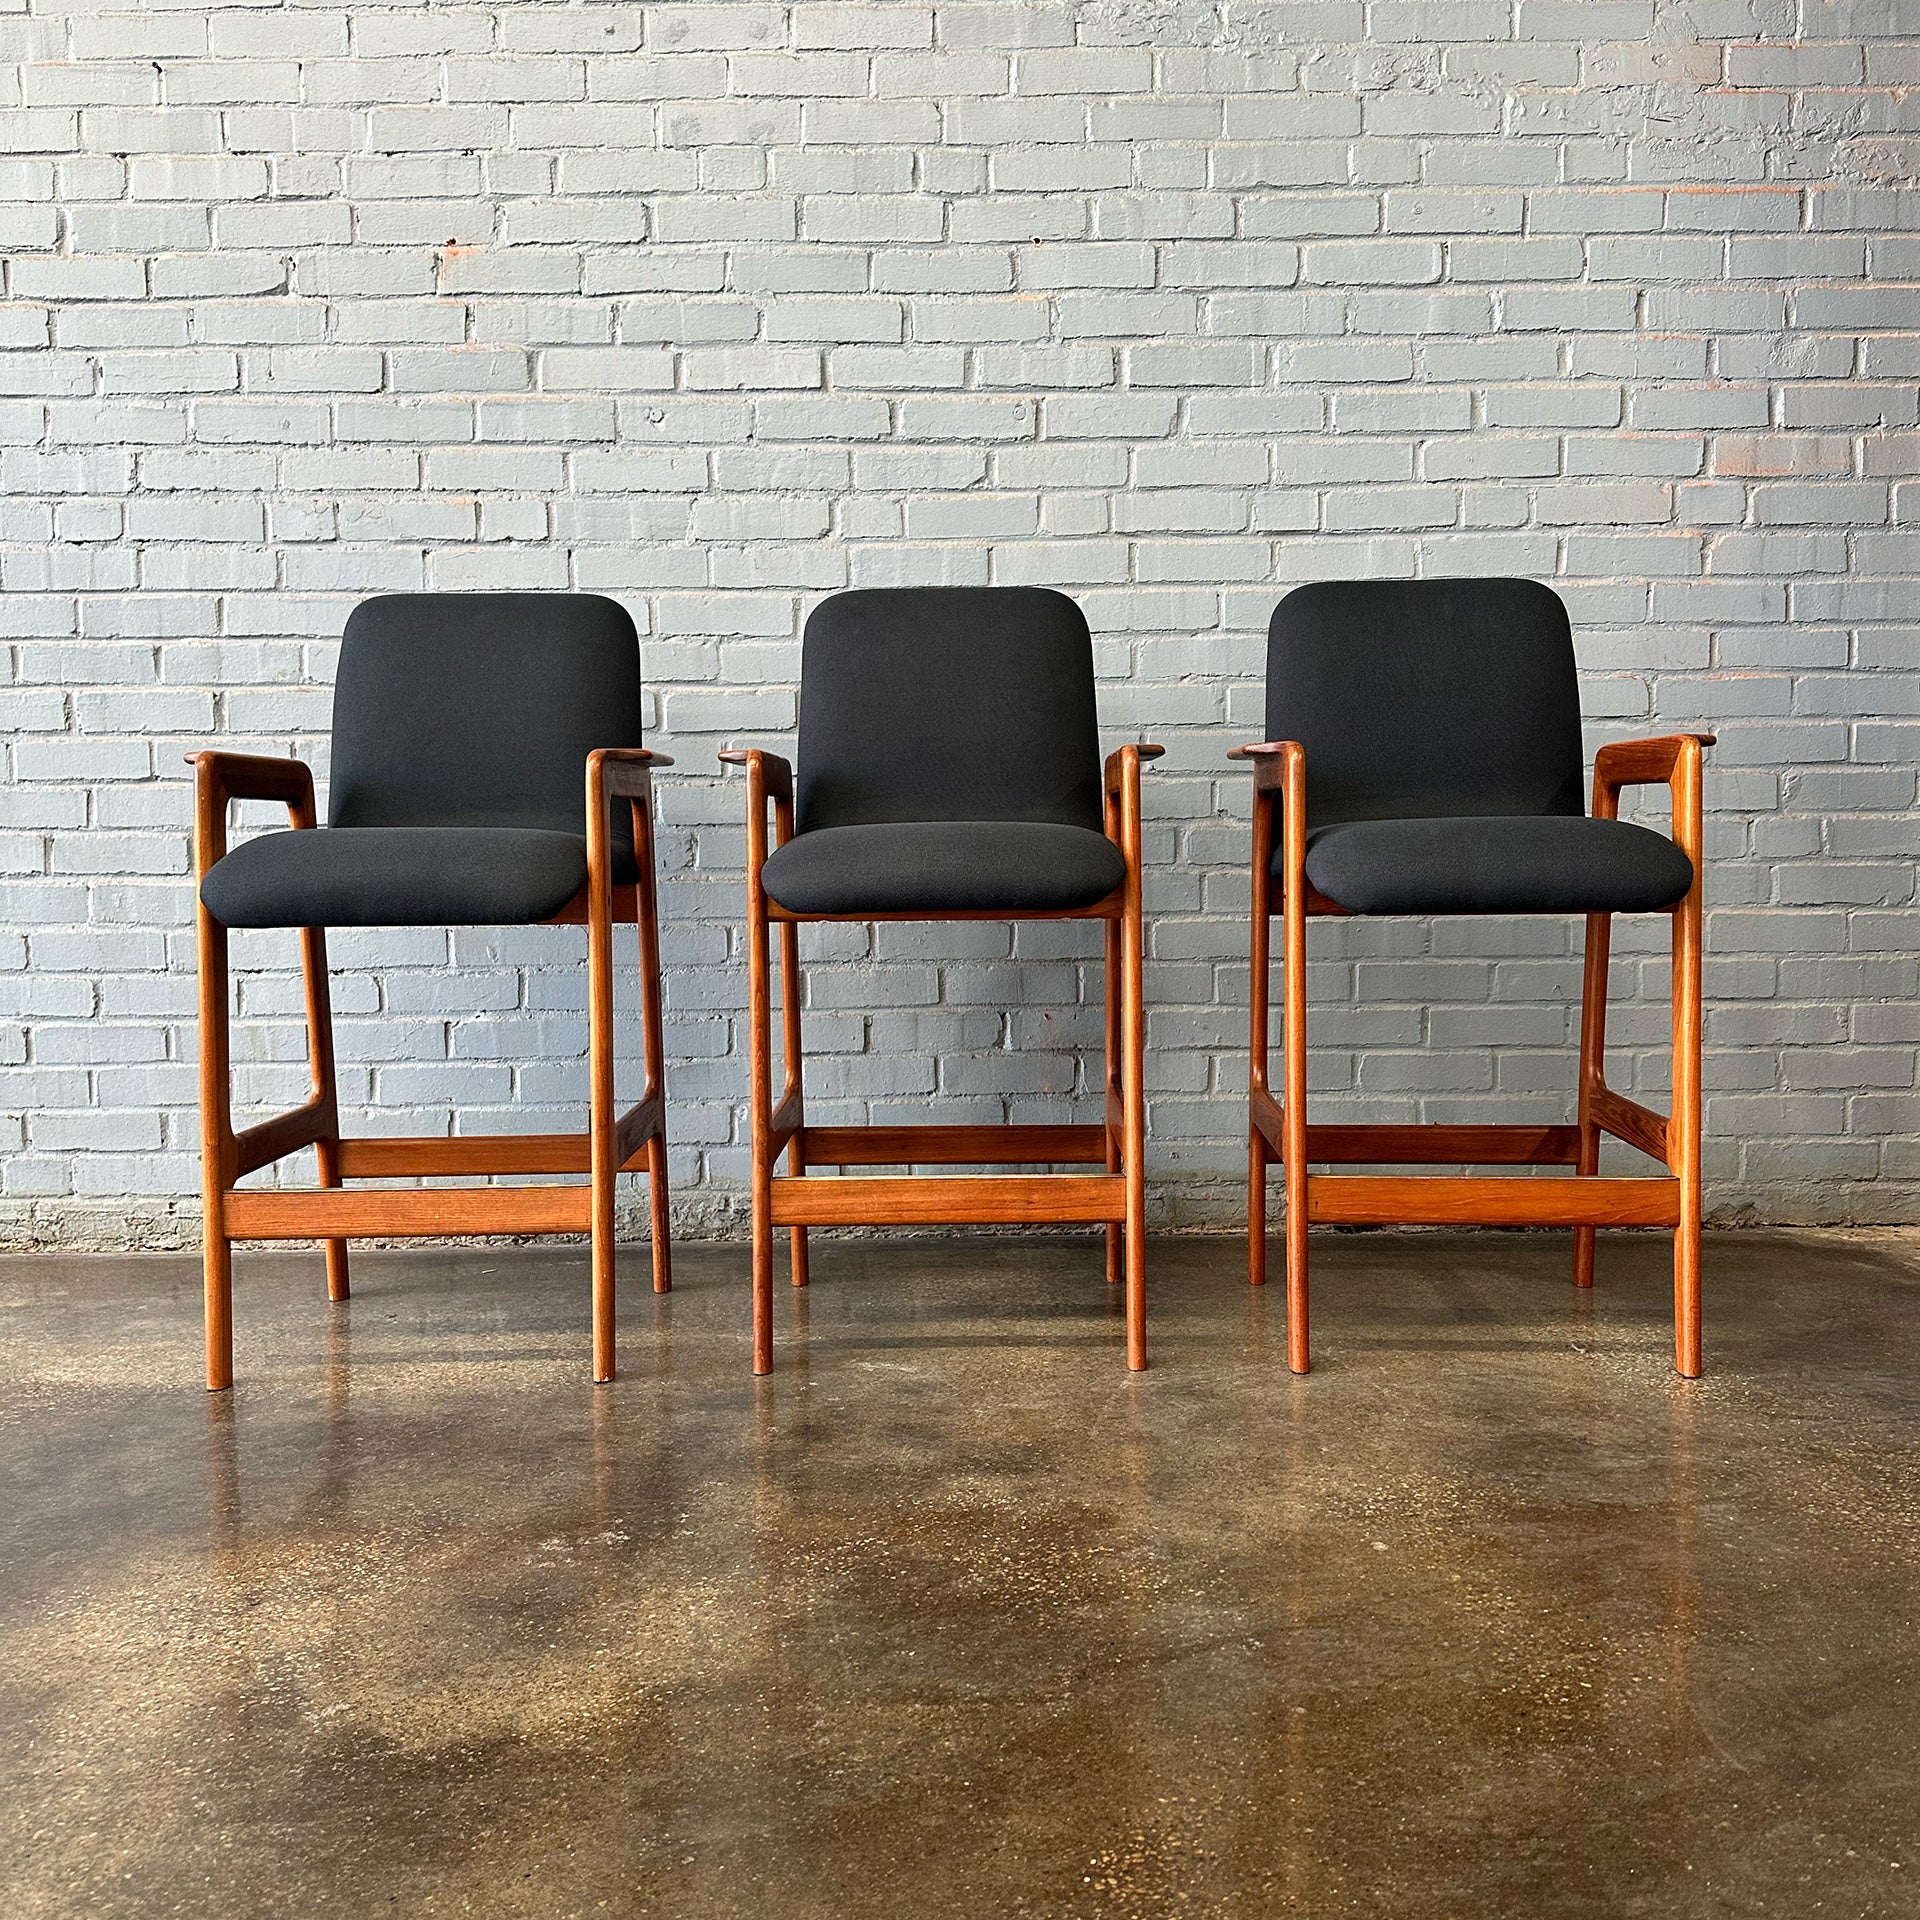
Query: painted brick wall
point(719, 307)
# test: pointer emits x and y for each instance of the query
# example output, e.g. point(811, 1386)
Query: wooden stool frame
point(614, 1143)
point(800, 1199)
point(1278, 1130)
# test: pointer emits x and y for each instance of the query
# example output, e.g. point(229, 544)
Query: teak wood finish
point(800, 1199)
point(614, 1143)
point(1278, 1129)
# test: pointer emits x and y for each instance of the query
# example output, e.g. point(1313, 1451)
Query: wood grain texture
point(414, 1212)
point(1427, 1200)
point(1013, 1199)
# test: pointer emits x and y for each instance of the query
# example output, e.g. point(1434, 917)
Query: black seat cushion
point(1496, 863)
point(944, 866)
point(402, 877)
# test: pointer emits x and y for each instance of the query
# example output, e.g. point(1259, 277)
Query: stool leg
point(1294, 1042)
point(1593, 1072)
point(603, 1144)
point(1683, 1129)
point(216, 1147)
point(790, 1046)
point(1133, 1073)
point(653, 1033)
point(313, 967)
point(1259, 1035)
point(1113, 1089)
point(760, 1076)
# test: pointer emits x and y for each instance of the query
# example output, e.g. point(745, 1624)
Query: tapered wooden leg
point(1259, 1038)
point(1112, 1093)
point(1294, 1014)
point(313, 966)
point(790, 1048)
point(1683, 1129)
point(760, 1102)
point(653, 1034)
point(603, 1141)
point(1593, 1062)
point(217, 1157)
point(1256, 1209)
point(1133, 1074)
point(603, 1151)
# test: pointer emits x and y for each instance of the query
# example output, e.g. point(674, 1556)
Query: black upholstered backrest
point(1427, 697)
point(479, 709)
point(947, 703)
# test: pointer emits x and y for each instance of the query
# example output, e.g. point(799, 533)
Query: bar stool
point(1423, 757)
point(949, 769)
point(468, 730)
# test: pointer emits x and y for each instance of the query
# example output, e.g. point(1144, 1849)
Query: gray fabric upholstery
point(461, 728)
point(944, 866)
point(402, 877)
point(1493, 863)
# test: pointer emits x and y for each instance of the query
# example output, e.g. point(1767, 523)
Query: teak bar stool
point(1423, 757)
point(949, 770)
point(465, 728)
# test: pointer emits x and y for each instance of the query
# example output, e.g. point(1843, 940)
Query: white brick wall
point(719, 307)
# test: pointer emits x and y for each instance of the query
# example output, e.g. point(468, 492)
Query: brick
point(785, 297)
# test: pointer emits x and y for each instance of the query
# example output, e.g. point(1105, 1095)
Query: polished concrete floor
point(1490, 1616)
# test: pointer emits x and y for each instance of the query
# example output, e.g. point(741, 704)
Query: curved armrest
point(1270, 758)
point(1119, 758)
point(1672, 761)
point(252, 776)
point(222, 777)
point(776, 775)
point(622, 772)
point(1644, 763)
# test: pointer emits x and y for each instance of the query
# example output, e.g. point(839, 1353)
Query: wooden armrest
point(621, 772)
point(1118, 759)
point(776, 775)
point(219, 778)
point(252, 776)
point(1269, 759)
point(1643, 763)
point(1673, 762)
